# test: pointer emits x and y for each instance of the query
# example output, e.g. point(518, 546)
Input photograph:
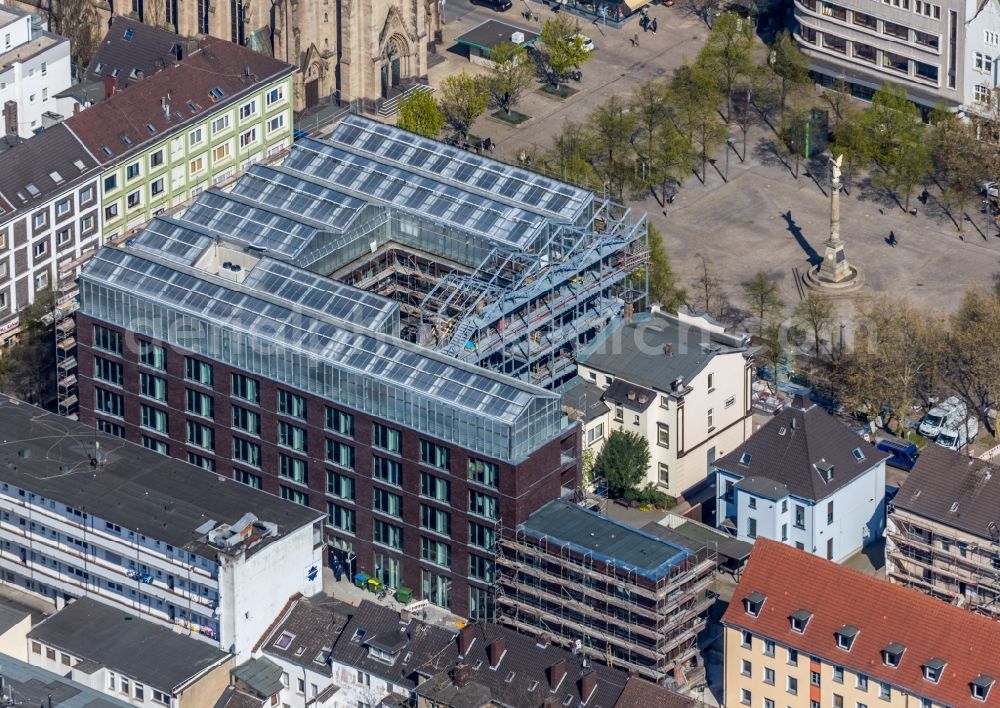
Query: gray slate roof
point(314, 628)
point(147, 49)
point(785, 453)
point(629, 395)
point(161, 497)
point(942, 478)
point(11, 615)
point(261, 674)
point(637, 352)
point(26, 170)
point(580, 396)
point(34, 686)
point(128, 645)
point(562, 521)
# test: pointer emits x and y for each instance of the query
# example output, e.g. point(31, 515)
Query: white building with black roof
point(83, 514)
point(804, 479)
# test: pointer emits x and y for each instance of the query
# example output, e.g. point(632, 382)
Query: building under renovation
point(943, 531)
point(620, 595)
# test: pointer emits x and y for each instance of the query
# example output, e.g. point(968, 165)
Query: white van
point(955, 437)
point(951, 410)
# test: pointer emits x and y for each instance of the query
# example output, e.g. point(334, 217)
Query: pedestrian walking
point(654, 25)
point(892, 239)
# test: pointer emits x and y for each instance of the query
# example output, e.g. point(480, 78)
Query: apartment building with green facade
point(193, 125)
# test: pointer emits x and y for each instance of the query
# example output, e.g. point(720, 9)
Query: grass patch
point(564, 91)
point(514, 118)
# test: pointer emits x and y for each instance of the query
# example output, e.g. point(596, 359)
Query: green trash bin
point(404, 594)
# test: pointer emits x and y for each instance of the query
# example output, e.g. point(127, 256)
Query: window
point(111, 211)
point(663, 435)
point(295, 496)
point(199, 403)
point(152, 355)
point(885, 692)
point(64, 236)
point(41, 218)
point(846, 636)
point(483, 505)
point(110, 183)
point(437, 552)
point(388, 535)
point(199, 435)
point(388, 503)
point(482, 472)
point(746, 668)
point(106, 426)
point(595, 433)
point(341, 518)
point(340, 454)
point(435, 455)
point(41, 281)
point(746, 698)
point(87, 224)
point(276, 123)
point(246, 388)
point(981, 686)
point(793, 657)
point(340, 485)
point(800, 516)
point(134, 199)
point(435, 520)
point(793, 685)
point(206, 463)
point(246, 452)
point(161, 697)
point(751, 528)
point(63, 207)
point(619, 414)
point(249, 479)
point(248, 138)
point(154, 419)
point(155, 445)
point(386, 438)
point(664, 474)
point(892, 654)
point(387, 471)
point(248, 109)
point(340, 422)
point(711, 419)
point(156, 159)
point(933, 670)
point(132, 171)
point(157, 187)
point(196, 136)
point(292, 436)
point(481, 536)
point(481, 568)
point(109, 403)
point(768, 676)
point(829, 512)
point(435, 487)
point(108, 371)
point(220, 124)
point(197, 165)
point(274, 95)
point(746, 639)
point(768, 647)
point(983, 94)
point(862, 682)
point(40, 248)
point(752, 502)
point(293, 468)
point(198, 371)
point(291, 405)
point(246, 420)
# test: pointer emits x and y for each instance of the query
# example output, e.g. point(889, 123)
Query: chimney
point(76, 107)
point(495, 651)
point(629, 312)
point(556, 673)
point(110, 83)
point(587, 685)
point(466, 636)
point(10, 118)
point(631, 395)
point(460, 675)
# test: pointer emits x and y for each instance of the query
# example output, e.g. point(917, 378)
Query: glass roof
point(174, 240)
point(447, 162)
point(410, 191)
point(325, 295)
point(384, 359)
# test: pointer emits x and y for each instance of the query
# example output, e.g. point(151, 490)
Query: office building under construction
point(622, 596)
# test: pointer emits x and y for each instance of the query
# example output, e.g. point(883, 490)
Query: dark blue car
point(904, 454)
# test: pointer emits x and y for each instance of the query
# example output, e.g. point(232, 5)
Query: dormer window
point(753, 602)
point(981, 686)
point(892, 654)
point(745, 459)
point(799, 620)
point(846, 636)
point(933, 669)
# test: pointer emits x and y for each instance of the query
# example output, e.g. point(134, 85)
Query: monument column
point(834, 267)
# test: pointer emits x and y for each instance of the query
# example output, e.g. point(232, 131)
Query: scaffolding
point(942, 561)
point(607, 609)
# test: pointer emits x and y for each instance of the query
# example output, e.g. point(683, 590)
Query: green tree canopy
point(663, 286)
point(790, 68)
point(763, 297)
point(510, 75)
point(463, 99)
point(727, 52)
point(419, 113)
point(623, 462)
point(561, 47)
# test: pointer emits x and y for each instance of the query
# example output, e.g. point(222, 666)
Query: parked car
point(989, 189)
point(588, 43)
point(950, 410)
point(904, 454)
point(498, 5)
point(955, 437)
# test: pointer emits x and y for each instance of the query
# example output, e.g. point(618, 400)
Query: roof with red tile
point(836, 596)
point(640, 693)
point(121, 123)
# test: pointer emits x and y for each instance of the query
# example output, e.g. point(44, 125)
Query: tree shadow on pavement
point(883, 198)
point(768, 152)
point(795, 231)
